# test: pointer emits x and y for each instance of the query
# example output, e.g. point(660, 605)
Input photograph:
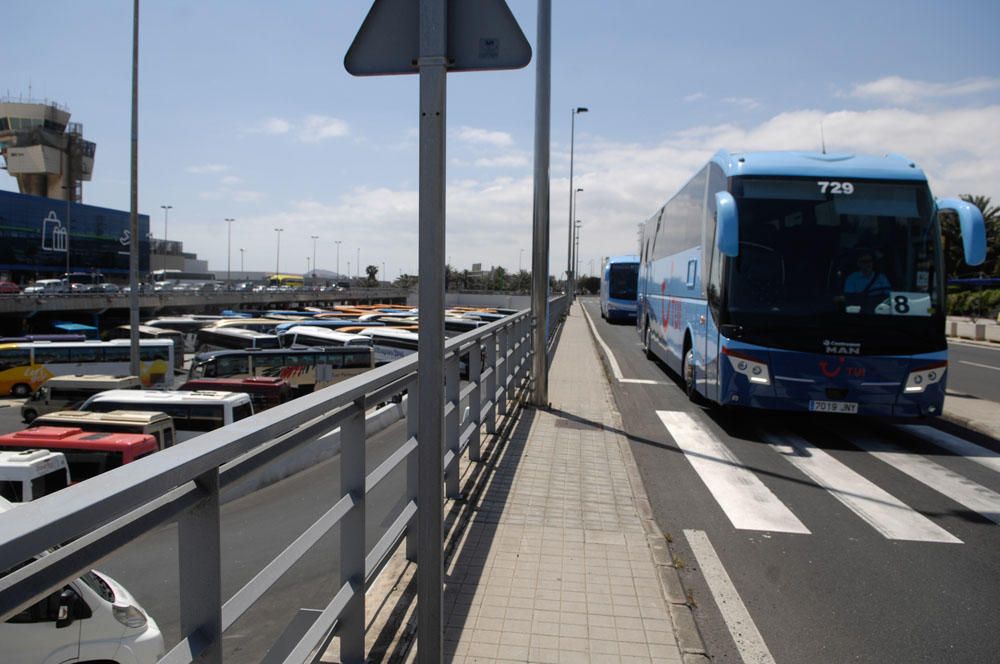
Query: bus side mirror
point(970, 221)
point(727, 224)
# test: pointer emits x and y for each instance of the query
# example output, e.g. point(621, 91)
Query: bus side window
point(11, 358)
point(51, 355)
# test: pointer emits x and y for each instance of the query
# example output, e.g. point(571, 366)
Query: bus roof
point(631, 258)
point(82, 417)
point(817, 164)
point(165, 396)
point(56, 438)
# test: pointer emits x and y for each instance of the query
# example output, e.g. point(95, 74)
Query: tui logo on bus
point(841, 347)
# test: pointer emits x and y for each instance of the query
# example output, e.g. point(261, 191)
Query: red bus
point(265, 392)
point(88, 453)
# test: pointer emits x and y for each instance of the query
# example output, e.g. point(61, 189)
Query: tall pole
point(68, 238)
point(337, 242)
point(243, 273)
point(314, 238)
point(357, 266)
point(166, 211)
point(540, 221)
point(570, 285)
point(133, 257)
point(572, 260)
point(576, 249)
point(277, 253)
point(432, 64)
point(229, 252)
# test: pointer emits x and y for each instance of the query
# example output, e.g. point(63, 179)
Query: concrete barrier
point(993, 333)
point(974, 331)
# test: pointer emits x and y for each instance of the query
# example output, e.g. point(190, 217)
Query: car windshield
point(848, 249)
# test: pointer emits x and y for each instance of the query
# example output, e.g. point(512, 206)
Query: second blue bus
point(619, 284)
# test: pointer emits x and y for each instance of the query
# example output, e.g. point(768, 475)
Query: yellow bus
point(286, 280)
point(25, 366)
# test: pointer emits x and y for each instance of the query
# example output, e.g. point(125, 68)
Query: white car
point(92, 618)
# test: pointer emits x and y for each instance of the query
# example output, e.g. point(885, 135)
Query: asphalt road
point(974, 370)
point(836, 555)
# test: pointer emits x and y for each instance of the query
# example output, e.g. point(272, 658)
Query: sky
point(246, 112)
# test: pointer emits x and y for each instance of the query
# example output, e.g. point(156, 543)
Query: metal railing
point(85, 523)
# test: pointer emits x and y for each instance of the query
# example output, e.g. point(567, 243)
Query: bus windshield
point(623, 280)
point(834, 252)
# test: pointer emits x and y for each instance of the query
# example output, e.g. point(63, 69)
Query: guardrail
point(86, 522)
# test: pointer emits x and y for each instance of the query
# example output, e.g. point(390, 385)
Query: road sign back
point(482, 34)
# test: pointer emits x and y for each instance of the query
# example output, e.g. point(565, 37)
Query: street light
point(277, 254)
point(357, 266)
point(166, 210)
point(576, 251)
point(572, 195)
point(229, 252)
point(519, 255)
point(314, 238)
point(243, 273)
point(337, 242)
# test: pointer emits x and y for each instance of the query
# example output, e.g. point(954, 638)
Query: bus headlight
point(919, 379)
point(754, 369)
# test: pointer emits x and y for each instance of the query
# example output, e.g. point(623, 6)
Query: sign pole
point(432, 65)
point(540, 243)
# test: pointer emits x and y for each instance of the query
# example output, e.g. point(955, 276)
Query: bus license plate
point(849, 407)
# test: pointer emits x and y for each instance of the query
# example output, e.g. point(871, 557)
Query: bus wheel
point(21, 390)
point(687, 373)
point(645, 342)
point(29, 415)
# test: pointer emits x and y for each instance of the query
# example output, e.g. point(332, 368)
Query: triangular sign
point(482, 34)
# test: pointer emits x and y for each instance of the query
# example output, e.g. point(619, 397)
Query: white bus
point(312, 335)
point(30, 474)
point(192, 411)
point(25, 366)
point(390, 343)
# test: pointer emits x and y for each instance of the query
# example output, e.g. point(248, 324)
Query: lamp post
point(307, 265)
point(229, 252)
point(576, 251)
point(166, 210)
point(520, 254)
point(314, 238)
point(277, 253)
point(571, 286)
point(357, 266)
point(337, 242)
point(243, 273)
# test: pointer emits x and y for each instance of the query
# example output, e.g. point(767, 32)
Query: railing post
point(475, 401)
point(199, 552)
point(491, 383)
point(524, 342)
point(351, 625)
point(452, 424)
point(503, 370)
point(412, 466)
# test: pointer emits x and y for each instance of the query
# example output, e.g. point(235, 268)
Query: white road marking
point(747, 502)
point(615, 369)
point(749, 641)
point(977, 364)
point(981, 455)
point(883, 511)
point(963, 491)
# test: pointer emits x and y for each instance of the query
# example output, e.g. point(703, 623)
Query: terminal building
point(45, 229)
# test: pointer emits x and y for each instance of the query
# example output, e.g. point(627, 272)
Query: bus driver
point(866, 284)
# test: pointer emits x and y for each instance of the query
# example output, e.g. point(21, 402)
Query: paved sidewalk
point(555, 565)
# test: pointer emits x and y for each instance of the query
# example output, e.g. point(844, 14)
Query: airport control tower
point(44, 150)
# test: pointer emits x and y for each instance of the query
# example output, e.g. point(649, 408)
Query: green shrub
point(984, 304)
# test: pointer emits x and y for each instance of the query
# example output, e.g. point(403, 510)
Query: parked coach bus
point(156, 424)
point(25, 366)
point(87, 453)
point(803, 281)
point(68, 392)
point(264, 392)
point(305, 369)
point(619, 288)
point(191, 411)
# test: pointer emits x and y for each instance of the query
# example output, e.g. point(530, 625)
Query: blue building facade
point(37, 233)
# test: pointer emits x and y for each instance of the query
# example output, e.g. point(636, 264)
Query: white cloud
point(480, 136)
point(899, 90)
point(318, 128)
point(519, 160)
point(204, 169)
point(743, 102)
point(271, 126)
point(231, 180)
point(697, 96)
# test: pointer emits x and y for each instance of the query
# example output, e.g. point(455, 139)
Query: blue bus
point(805, 282)
point(619, 288)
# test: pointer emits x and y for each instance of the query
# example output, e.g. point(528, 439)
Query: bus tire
point(29, 416)
point(21, 390)
point(687, 375)
point(646, 348)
